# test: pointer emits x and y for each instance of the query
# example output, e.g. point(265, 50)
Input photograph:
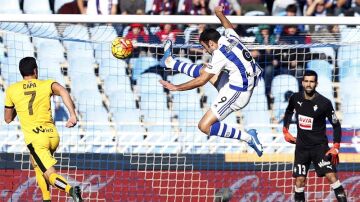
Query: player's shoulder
point(297, 96)
point(47, 81)
point(323, 99)
point(230, 31)
point(14, 86)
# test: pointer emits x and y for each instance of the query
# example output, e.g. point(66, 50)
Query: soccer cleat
point(167, 53)
point(75, 193)
point(254, 142)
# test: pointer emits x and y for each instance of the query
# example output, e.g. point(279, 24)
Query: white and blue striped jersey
point(233, 56)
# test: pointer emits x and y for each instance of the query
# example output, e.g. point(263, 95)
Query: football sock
point(339, 191)
point(189, 69)
point(299, 194)
point(223, 130)
point(59, 182)
point(44, 186)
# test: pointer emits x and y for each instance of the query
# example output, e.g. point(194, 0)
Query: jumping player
point(230, 54)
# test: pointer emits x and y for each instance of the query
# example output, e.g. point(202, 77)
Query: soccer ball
point(121, 48)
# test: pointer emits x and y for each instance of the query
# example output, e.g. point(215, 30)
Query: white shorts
point(228, 101)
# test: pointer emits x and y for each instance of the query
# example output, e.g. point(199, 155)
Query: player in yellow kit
point(30, 100)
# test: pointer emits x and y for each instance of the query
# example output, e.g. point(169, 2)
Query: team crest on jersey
point(247, 55)
point(209, 66)
point(315, 108)
point(305, 122)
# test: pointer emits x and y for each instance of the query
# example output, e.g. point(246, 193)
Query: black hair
point(311, 73)
point(209, 34)
point(291, 8)
point(27, 66)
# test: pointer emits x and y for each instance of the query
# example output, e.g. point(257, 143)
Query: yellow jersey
point(31, 99)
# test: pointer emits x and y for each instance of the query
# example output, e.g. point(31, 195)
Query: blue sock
point(189, 69)
point(223, 130)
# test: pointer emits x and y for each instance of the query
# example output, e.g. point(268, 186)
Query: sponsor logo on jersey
point(209, 66)
point(40, 129)
point(300, 103)
point(305, 122)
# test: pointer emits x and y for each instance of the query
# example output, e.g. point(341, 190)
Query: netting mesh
point(138, 141)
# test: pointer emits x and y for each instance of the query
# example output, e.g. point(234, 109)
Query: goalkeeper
point(312, 109)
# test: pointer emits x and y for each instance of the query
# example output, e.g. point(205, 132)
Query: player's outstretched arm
point(61, 91)
point(219, 12)
point(197, 82)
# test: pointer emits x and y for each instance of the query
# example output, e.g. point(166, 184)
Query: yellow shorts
point(42, 150)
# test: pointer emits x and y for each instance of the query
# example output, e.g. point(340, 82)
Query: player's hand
point(72, 121)
point(288, 137)
point(334, 153)
point(168, 85)
point(219, 9)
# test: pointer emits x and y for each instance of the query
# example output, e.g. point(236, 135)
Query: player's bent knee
point(204, 127)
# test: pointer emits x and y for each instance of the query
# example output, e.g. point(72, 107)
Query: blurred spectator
point(164, 7)
point(131, 7)
point(317, 7)
point(66, 7)
point(291, 10)
point(291, 35)
point(137, 33)
point(253, 5)
point(194, 7)
point(330, 35)
point(263, 36)
point(248, 30)
point(265, 57)
point(301, 5)
point(167, 31)
point(192, 34)
point(281, 6)
point(279, 117)
point(356, 8)
point(60, 113)
point(340, 6)
point(97, 7)
point(231, 7)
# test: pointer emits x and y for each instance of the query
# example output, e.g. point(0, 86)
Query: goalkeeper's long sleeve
point(289, 112)
point(331, 116)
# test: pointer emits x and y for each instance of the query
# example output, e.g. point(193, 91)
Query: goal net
point(136, 141)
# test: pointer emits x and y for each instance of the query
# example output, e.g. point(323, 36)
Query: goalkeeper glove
point(333, 154)
point(288, 137)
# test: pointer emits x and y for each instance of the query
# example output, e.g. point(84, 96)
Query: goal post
point(136, 141)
